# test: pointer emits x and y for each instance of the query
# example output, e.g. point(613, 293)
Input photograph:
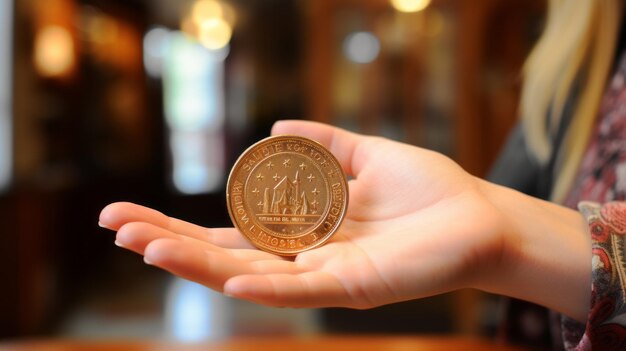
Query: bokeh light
point(54, 51)
point(209, 22)
point(215, 33)
point(410, 5)
point(102, 29)
point(361, 47)
point(196, 313)
point(205, 10)
point(154, 45)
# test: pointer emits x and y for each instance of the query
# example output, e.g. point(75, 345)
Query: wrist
point(545, 255)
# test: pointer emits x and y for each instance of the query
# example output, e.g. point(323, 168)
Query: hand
point(417, 225)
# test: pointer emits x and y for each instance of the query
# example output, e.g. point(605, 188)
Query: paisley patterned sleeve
point(606, 325)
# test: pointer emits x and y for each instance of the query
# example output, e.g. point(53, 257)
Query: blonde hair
point(577, 46)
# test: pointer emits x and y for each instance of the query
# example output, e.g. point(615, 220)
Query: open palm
point(417, 225)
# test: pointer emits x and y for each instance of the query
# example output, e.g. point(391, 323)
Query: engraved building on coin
point(290, 204)
point(287, 194)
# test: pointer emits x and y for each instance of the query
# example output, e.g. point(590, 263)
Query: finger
point(193, 263)
point(117, 214)
point(229, 238)
point(341, 143)
point(210, 268)
point(253, 255)
point(135, 236)
point(308, 289)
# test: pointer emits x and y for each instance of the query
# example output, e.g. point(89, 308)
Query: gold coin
point(287, 194)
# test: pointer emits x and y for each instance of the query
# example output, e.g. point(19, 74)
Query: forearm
point(546, 256)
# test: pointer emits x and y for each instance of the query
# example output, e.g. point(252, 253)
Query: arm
point(547, 259)
point(417, 225)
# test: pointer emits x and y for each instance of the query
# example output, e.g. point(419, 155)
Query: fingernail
point(102, 225)
point(118, 243)
point(147, 261)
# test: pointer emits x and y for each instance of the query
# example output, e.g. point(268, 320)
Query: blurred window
point(193, 84)
point(6, 128)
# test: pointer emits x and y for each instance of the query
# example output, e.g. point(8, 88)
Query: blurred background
point(151, 101)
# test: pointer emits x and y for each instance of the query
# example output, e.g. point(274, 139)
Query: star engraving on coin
point(288, 211)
